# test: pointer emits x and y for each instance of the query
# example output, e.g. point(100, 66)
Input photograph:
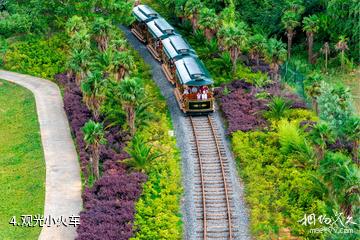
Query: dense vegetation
point(294, 160)
point(22, 181)
point(114, 111)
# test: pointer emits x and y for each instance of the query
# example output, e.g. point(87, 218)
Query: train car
point(143, 14)
point(158, 29)
point(174, 48)
point(193, 86)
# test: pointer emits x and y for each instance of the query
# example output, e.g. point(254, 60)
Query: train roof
point(160, 28)
point(144, 13)
point(191, 71)
point(175, 46)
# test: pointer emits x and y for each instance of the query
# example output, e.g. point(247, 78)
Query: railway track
point(213, 188)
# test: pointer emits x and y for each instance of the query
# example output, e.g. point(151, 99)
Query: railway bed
point(214, 201)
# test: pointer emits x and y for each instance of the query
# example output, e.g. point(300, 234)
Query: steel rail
point(201, 177)
point(224, 177)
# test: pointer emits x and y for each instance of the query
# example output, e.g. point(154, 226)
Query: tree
point(321, 135)
point(123, 63)
point(80, 40)
point(314, 92)
point(94, 136)
point(276, 53)
point(257, 45)
point(311, 26)
point(192, 8)
point(74, 25)
point(335, 106)
point(208, 20)
point(130, 93)
point(278, 107)
point(326, 51)
point(234, 38)
point(342, 46)
point(119, 44)
point(342, 180)
point(351, 131)
point(93, 89)
point(290, 20)
point(101, 30)
point(78, 64)
point(141, 154)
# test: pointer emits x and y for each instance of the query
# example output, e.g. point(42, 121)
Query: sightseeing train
point(180, 64)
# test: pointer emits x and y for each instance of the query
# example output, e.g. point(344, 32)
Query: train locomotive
point(180, 64)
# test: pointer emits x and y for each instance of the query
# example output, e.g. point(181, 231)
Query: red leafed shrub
point(109, 205)
point(240, 107)
point(243, 111)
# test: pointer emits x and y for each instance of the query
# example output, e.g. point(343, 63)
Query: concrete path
point(63, 184)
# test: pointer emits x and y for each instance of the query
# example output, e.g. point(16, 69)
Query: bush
point(277, 191)
point(37, 56)
point(14, 24)
point(158, 210)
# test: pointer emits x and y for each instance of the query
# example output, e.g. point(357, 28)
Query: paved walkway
point(63, 184)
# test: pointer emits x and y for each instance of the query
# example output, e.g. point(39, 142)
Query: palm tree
point(74, 24)
point(80, 40)
point(311, 26)
point(141, 154)
point(234, 38)
point(192, 8)
point(257, 44)
point(78, 64)
point(290, 20)
point(209, 22)
point(119, 44)
point(276, 53)
point(130, 93)
point(351, 132)
point(321, 135)
point(93, 89)
point(94, 136)
point(278, 108)
point(123, 63)
point(342, 180)
point(101, 30)
point(314, 91)
point(326, 51)
point(342, 46)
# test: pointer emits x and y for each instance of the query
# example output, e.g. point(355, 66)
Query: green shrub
point(277, 191)
point(37, 56)
point(14, 24)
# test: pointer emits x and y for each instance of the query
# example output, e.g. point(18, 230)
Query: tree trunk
point(95, 152)
point(310, 37)
point(315, 106)
point(234, 56)
point(209, 34)
point(257, 59)
point(194, 22)
point(290, 34)
point(355, 152)
point(326, 62)
point(131, 118)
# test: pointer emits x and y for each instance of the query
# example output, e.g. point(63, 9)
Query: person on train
point(186, 90)
point(204, 95)
point(198, 96)
point(194, 89)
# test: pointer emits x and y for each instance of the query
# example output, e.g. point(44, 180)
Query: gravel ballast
point(182, 138)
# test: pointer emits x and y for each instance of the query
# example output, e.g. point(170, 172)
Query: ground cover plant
point(21, 161)
point(38, 56)
point(113, 108)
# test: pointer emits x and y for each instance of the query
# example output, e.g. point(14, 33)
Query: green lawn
point(22, 166)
